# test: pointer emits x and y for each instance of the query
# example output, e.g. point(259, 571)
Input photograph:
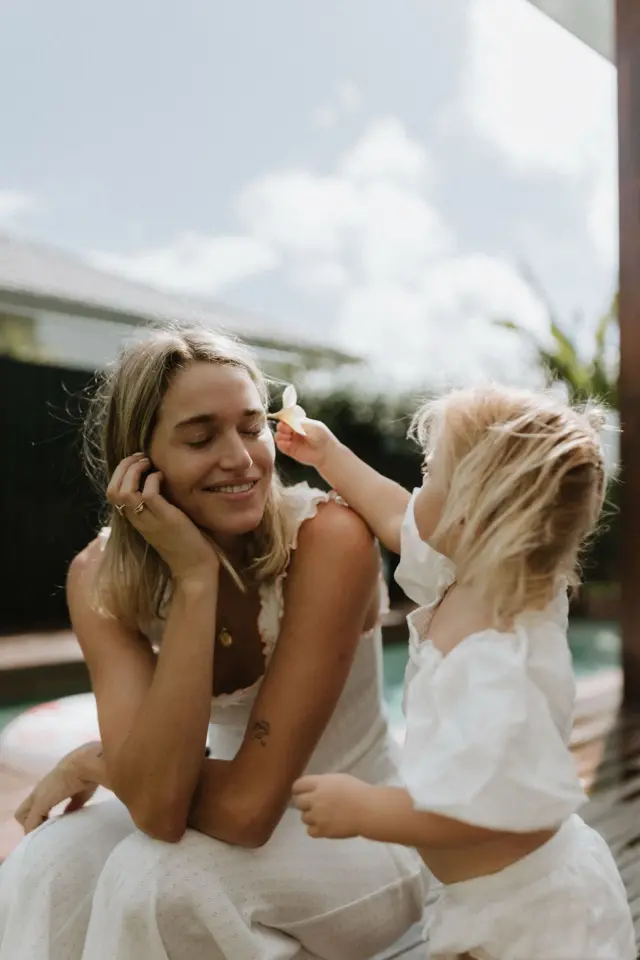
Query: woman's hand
point(67, 781)
point(333, 804)
point(182, 546)
point(312, 449)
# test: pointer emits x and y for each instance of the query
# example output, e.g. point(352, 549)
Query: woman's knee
point(151, 877)
point(68, 848)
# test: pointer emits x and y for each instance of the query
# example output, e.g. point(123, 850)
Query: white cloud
point(194, 263)
point(369, 235)
point(15, 204)
point(346, 100)
point(368, 238)
point(369, 220)
point(547, 103)
point(442, 332)
point(386, 152)
point(300, 212)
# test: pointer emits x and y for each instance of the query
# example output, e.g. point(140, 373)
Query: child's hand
point(312, 448)
point(333, 805)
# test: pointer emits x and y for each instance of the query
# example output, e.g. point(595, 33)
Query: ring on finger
point(140, 507)
point(120, 508)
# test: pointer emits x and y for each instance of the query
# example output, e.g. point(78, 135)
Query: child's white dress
point(487, 743)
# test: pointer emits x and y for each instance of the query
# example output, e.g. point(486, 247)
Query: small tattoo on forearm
point(260, 732)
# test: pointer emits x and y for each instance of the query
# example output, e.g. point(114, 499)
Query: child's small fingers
point(304, 785)
point(284, 431)
point(303, 801)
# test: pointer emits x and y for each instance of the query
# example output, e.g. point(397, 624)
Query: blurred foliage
point(561, 360)
point(590, 377)
point(18, 338)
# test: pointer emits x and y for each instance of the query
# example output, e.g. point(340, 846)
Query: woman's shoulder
point(319, 515)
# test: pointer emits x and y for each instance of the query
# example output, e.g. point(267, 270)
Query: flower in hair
point(292, 414)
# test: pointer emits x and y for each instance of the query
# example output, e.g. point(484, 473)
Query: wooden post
point(628, 60)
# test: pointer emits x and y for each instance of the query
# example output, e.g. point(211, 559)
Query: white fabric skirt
point(89, 886)
point(564, 901)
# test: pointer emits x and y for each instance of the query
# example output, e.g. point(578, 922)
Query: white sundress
point(91, 887)
point(487, 743)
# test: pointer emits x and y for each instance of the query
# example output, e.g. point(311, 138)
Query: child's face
point(430, 501)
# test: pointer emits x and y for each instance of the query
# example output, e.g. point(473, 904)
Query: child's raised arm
point(379, 501)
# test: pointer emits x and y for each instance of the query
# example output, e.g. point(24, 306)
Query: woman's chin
point(223, 525)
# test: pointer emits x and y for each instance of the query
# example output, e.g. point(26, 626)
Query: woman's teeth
point(234, 488)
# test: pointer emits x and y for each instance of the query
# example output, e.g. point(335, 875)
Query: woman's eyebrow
point(207, 418)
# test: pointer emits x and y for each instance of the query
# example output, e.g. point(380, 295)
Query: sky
point(377, 175)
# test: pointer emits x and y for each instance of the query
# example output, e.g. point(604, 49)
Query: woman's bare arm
point(330, 587)
point(153, 712)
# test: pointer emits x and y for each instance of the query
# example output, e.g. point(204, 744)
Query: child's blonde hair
point(525, 481)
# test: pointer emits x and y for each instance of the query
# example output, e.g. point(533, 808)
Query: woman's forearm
point(156, 770)
point(381, 502)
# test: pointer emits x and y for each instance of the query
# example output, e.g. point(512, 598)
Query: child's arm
point(381, 502)
point(338, 805)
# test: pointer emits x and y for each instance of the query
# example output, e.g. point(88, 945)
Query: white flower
point(291, 413)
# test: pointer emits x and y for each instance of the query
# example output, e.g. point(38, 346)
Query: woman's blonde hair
point(133, 583)
point(525, 481)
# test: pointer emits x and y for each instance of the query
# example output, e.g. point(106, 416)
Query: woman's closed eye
point(251, 430)
point(198, 444)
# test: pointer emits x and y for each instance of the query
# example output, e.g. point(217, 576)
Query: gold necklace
point(224, 638)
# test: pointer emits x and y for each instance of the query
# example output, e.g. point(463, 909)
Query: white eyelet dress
point(91, 887)
point(487, 743)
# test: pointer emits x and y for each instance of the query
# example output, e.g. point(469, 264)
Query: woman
point(213, 579)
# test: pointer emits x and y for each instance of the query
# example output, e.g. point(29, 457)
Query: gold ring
point(140, 507)
point(120, 508)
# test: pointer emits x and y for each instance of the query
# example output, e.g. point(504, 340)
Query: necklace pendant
point(224, 637)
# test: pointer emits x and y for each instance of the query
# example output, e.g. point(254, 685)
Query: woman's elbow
point(239, 825)
point(160, 824)
point(254, 831)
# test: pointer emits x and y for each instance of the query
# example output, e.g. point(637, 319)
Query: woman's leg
point(201, 899)
point(47, 884)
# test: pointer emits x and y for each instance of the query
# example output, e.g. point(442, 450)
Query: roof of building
point(35, 275)
point(592, 21)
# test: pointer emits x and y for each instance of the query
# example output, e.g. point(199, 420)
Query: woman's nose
point(234, 455)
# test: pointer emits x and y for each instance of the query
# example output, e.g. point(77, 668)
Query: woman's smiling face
point(215, 449)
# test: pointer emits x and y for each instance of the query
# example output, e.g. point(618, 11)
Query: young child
point(514, 483)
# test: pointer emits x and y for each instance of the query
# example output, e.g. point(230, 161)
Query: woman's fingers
point(129, 489)
point(79, 799)
point(22, 812)
point(35, 819)
point(127, 493)
point(152, 485)
point(118, 475)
